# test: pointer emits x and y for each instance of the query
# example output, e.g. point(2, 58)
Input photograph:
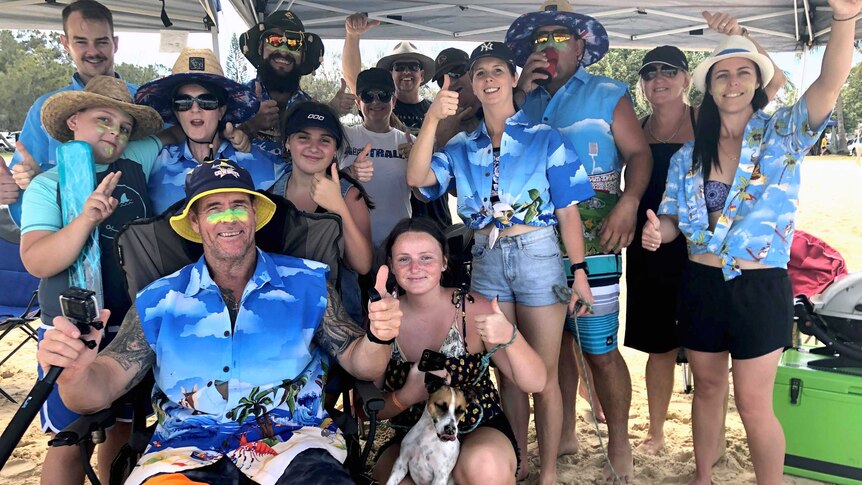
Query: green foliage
point(237, 66)
point(141, 74)
point(852, 94)
point(323, 83)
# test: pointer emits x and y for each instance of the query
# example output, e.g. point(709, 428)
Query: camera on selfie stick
point(81, 307)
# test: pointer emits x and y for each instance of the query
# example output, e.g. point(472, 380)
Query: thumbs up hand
point(494, 328)
point(238, 138)
point(445, 103)
point(343, 101)
point(405, 148)
point(384, 315)
point(24, 172)
point(363, 166)
point(266, 117)
point(326, 191)
point(8, 187)
point(651, 236)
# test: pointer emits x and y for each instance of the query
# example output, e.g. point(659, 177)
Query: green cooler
point(821, 413)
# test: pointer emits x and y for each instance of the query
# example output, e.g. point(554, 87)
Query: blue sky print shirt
point(168, 178)
point(539, 172)
point(583, 111)
point(251, 393)
point(757, 221)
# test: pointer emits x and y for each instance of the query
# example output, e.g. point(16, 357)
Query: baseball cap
point(498, 50)
point(447, 60)
point(313, 114)
point(666, 54)
point(375, 78)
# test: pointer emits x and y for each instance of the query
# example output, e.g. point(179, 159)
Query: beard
point(283, 83)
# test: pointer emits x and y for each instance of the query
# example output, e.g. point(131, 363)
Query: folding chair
point(18, 300)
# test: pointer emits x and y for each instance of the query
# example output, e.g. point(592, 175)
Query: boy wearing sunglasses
point(378, 142)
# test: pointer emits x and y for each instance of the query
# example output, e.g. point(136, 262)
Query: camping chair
point(18, 303)
point(149, 249)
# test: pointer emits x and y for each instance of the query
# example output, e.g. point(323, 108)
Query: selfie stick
point(26, 413)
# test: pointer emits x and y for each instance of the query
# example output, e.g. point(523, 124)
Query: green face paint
point(285, 50)
point(229, 215)
point(109, 150)
point(122, 134)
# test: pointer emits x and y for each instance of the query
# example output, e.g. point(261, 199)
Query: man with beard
point(409, 69)
point(282, 52)
point(88, 37)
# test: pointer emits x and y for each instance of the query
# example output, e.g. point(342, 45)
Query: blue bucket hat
point(199, 66)
point(519, 37)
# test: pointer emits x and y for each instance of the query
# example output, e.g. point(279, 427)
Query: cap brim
point(662, 63)
point(242, 103)
point(59, 107)
point(427, 63)
point(263, 207)
point(446, 68)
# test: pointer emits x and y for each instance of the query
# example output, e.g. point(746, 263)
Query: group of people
point(535, 157)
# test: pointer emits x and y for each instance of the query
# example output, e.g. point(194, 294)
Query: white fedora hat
point(733, 46)
point(406, 50)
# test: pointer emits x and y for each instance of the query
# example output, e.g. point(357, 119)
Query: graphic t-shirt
point(388, 187)
point(412, 115)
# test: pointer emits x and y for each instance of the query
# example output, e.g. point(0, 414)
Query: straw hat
point(406, 50)
point(733, 46)
point(100, 92)
point(557, 12)
point(215, 177)
point(198, 66)
point(249, 42)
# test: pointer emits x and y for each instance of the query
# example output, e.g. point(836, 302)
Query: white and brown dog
point(431, 447)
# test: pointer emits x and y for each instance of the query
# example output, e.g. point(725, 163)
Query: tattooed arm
point(121, 365)
point(343, 338)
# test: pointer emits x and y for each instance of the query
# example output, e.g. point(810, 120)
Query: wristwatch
point(582, 265)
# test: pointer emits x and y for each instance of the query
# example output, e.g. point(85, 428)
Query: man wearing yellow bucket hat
point(239, 326)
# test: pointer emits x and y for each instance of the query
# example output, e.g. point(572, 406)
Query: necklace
point(678, 127)
point(729, 157)
point(229, 300)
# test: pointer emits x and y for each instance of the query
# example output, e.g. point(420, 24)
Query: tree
point(851, 95)
point(141, 74)
point(323, 83)
point(236, 66)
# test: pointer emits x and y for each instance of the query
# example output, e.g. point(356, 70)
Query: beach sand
point(829, 208)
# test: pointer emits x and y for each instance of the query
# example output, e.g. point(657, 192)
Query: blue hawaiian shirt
point(249, 391)
point(270, 140)
point(167, 180)
point(42, 146)
point(757, 221)
point(538, 173)
point(583, 111)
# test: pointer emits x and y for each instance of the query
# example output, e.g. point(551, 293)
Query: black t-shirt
point(412, 114)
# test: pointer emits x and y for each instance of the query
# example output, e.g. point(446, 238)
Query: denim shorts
point(522, 269)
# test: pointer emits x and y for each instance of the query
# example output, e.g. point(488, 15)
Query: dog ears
point(433, 382)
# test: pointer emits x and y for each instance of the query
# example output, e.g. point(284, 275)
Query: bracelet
point(744, 32)
point(844, 20)
point(582, 265)
point(374, 338)
point(394, 399)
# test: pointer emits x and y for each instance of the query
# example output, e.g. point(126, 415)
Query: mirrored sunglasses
point(667, 72)
point(206, 101)
point(292, 41)
point(370, 96)
point(559, 36)
point(406, 66)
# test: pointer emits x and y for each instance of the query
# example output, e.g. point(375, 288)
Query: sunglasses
point(667, 72)
point(206, 101)
point(454, 74)
point(406, 66)
point(293, 42)
point(370, 96)
point(559, 36)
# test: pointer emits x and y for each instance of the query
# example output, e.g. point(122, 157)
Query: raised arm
point(419, 173)
point(351, 60)
point(821, 96)
point(90, 382)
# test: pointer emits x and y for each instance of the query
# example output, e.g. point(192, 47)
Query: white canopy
point(780, 25)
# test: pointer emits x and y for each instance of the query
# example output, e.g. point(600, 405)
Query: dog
point(430, 449)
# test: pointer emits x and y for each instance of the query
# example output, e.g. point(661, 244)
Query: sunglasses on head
point(292, 41)
point(406, 66)
point(558, 36)
point(370, 96)
point(206, 101)
point(667, 72)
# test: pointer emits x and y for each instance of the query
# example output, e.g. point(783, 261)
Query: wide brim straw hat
point(519, 37)
point(199, 66)
point(406, 50)
point(249, 42)
point(733, 46)
point(100, 92)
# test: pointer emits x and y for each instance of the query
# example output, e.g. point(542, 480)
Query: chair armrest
point(372, 398)
point(81, 428)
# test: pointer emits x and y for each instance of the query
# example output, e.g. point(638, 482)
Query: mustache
point(94, 58)
point(276, 55)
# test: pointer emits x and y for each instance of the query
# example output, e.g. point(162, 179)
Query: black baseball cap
point(313, 114)
point(447, 60)
point(498, 50)
point(375, 78)
point(666, 54)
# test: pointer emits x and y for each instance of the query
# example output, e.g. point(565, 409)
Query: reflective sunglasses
point(370, 96)
point(206, 101)
point(559, 36)
point(667, 72)
point(406, 66)
point(291, 40)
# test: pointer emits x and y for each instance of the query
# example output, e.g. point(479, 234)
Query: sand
point(829, 208)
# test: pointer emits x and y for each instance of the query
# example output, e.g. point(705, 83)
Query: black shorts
point(749, 316)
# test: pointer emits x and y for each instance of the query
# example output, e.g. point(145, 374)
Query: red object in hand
point(553, 56)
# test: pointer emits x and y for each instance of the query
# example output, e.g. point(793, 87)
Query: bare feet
point(623, 466)
point(568, 445)
point(547, 478)
point(651, 446)
point(600, 417)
